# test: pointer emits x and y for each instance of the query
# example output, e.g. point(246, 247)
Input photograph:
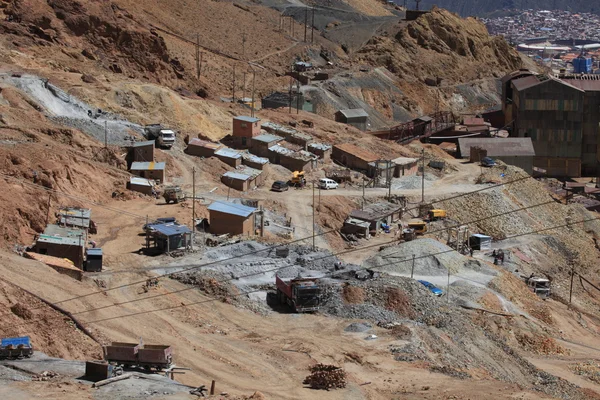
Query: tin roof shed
point(228, 153)
point(231, 208)
point(171, 229)
point(247, 119)
point(354, 113)
point(267, 138)
point(236, 175)
point(147, 166)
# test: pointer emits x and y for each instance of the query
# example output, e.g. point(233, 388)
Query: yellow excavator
point(298, 179)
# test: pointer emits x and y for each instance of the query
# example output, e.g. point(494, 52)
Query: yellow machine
point(298, 178)
point(437, 214)
point(418, 225)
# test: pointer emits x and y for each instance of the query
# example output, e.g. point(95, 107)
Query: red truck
point(300, 294)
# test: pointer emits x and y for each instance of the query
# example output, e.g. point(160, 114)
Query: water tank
point(582, 65)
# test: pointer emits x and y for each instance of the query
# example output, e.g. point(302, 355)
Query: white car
point(327, 184)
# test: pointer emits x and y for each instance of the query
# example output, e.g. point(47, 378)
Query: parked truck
point(300, 294)
point(173, 194)
point(16, 348)
point(162, 137)
point(539, 286)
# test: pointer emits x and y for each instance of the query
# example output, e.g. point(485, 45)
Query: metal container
point(155, 355)
point(16, 347)
point(122, 352)
point(98, 370)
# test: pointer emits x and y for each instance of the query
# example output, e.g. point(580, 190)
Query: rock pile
point(327, 377)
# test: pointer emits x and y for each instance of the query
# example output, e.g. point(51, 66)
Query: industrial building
point(149, 170)
point(62, 242)
point(141, 185)
point(245, 128)
point(202, 148)
point(229, 156)
point(512, 151)
point(353, 157)
point(231, 218)
point(356, 117)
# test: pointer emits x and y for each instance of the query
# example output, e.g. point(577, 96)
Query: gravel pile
point(413, 182)
point(358, 327)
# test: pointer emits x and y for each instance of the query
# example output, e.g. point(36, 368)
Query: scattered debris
point(326, 377)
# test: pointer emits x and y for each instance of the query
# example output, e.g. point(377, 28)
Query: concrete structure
point(75, 217)
point(140, 151)
point(141, 185)
point(202, 148)
point(353, 157)
point(260, 144)
point(289, 134)
point(377, 213)
point(170, 237)
point(353, 226)
point(149, 170)
point(229, 156)
point(93, 260)
point(405, 166)
point(253, 161)
point(230, 218)
point(356, 117)
point(292, 160)
point(243, 178)
point(245, 128)
point(513, 151)
point(322, 150)
point(57, 241)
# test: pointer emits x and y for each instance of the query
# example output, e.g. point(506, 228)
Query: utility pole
point(105, 134)
point(312, 26)
point(147, 234)
point(298, 97)
point(200, 70)
point(412, 269)
point(193, 206)
point(290, 93)
point(305, 22)
point(197, 56)
point(233, 88)
point(423, 177)
point(291, 27)
point(253, 79)
point(363, 199)
point(313, 217)
point(448, 290)
point(389, 178)
point(244, 46)
point(244, 89)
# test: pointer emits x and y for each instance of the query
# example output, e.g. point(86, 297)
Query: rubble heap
point(325, 376)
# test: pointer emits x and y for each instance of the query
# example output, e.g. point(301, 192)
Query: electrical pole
point(298, 97)
point(105, 134)
point(389, 178)
point(423, 177)
point(305, 22)
point(233, 88)
point(193, 206)
point(363, 199)
point(412, 269)
point(448, 290)
point(244, 90)
point(290, 93)
point(197, 56)
point(313, 216)
point(312, 26)
point(292, 24)
point(244, 46)
point(253, 79)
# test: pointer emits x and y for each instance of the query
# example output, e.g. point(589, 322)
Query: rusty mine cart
point(139, 355)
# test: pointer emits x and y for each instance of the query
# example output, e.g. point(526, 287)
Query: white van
point(326, 184)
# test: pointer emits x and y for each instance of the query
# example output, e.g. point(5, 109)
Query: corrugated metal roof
point(236, 175)
point(246, 170)
point(75, 212)
point(55, 230)
point(589, 85)
point(354, 113)
point(526, 82)
point(320, 146)
point(134, 180)
point(255, 159)
point(280, 150)
point(374, 212)
point(171, 229)
point(231, 208)
point(143, 144)
point(404, 160)
point(204, 143)
point(498, 147)
point(267, 138)
point(228, 153)
point(356, 151)
point(94, 252)
point(147, 166)
point(246, 119)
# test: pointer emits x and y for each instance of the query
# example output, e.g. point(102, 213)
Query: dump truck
point(173, 194)
point(418, 225)
point(436, 214)
point(16, 348)
point(300, 294)
point(162, 137)
point(297, 179)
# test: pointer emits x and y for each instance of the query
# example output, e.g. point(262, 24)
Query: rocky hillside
point(483, 7)
point(440, 49)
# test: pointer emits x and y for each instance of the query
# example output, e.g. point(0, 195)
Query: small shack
point(353, 157)
point(202, 148)
point(140, 151)
point(357, 227)
point(61, 242)
point(230, 218)
point(230, 157)
point(171, 236)
point(517, 151)
point(149, 170)
point(141, 185)
point(480, 242)
point(245, 128)
point(378, 213)
point(405, 166)
point(292, 160)
point(322, 150)
point(93, 260)
point(243, 178)
point(357, 117)
point(75, 217)
point(253, 161)
point(260, 144)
